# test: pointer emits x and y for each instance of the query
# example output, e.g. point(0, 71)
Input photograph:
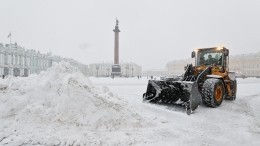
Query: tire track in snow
point(242, 106)
point(252, 114)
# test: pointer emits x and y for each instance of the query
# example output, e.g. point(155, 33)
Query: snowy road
point(233, 123)
point(62, 107)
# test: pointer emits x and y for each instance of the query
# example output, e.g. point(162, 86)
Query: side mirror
point(192, 54)
point(226, 52)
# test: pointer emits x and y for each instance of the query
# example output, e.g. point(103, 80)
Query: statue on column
point(117, 22)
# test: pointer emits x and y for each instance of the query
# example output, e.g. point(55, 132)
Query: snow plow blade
point(182, 93)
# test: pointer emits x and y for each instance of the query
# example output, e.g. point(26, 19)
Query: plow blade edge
point(173, 92)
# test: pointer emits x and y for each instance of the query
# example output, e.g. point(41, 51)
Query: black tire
point(213, 92)
point(233, 88)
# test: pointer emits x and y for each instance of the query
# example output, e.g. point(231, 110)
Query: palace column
point(116, 68)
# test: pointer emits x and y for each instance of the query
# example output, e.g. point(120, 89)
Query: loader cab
point(211, 56)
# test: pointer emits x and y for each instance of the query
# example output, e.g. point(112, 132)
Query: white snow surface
point(63, 107)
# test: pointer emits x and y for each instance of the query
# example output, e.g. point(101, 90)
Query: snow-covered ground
point(62, 107)
point(233, 123)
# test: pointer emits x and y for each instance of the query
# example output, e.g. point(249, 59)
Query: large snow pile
point(61, 106)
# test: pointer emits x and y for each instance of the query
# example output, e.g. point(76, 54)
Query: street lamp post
point(97, 68)
point(132, 71)
point(126, 70)
point(108, 71)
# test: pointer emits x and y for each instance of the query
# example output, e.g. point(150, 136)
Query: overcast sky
point(153, 32)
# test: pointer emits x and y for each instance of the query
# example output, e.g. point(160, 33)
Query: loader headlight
point(219, 48)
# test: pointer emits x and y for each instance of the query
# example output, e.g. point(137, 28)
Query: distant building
point(176, 67)
point(104, 69)
point(17, 61)
point(247, 65)
point(157, 73)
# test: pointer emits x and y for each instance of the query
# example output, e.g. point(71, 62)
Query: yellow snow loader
point(209, 82)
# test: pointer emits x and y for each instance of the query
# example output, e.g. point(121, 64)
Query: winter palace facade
point(17, 61)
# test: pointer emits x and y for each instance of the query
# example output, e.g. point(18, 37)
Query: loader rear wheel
point(233, 87)
point(213, 92)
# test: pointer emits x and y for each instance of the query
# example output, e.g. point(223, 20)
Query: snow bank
point(60, 105)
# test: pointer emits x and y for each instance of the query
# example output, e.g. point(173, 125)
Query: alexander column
point(116, 69)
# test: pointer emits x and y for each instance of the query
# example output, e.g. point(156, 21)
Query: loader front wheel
point(213, 92)
point(233, 87)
